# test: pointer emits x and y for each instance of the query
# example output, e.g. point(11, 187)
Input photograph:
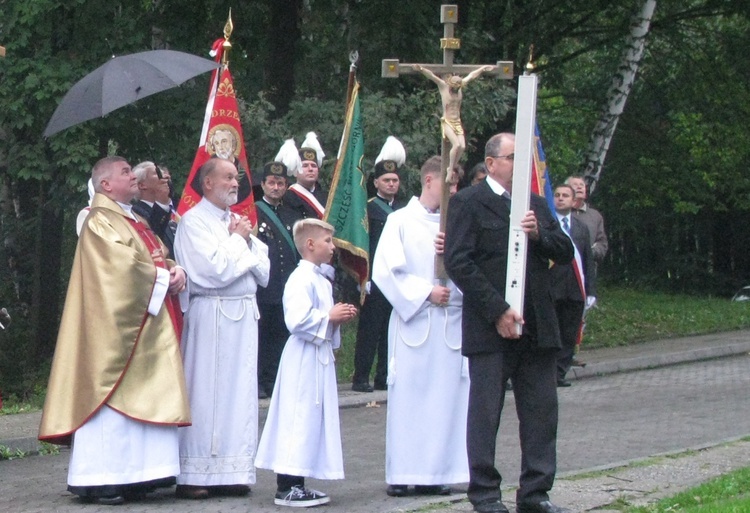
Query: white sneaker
point(300, 497)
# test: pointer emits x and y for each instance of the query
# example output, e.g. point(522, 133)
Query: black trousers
point(272, 337)
point(533, 375)
point(569, 317)
point(372, 338)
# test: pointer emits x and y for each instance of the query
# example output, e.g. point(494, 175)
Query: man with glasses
point(476, 249)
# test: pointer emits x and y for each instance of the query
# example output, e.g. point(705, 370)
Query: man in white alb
point(225, 264)
point(428, 381)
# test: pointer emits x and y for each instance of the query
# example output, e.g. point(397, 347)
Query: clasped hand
point(240, 225)
point(341, 313)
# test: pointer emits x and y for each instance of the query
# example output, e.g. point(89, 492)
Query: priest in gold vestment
point(117, 388)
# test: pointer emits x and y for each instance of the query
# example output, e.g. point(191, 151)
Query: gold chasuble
point(110, 350)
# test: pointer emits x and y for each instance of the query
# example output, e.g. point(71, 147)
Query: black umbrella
point(122, 81)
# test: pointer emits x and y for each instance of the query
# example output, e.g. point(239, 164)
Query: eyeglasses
point(506, 157)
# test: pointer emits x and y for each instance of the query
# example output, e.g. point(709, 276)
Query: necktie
point(565, 225)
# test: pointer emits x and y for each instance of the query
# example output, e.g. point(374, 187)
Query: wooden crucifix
point(453, 140)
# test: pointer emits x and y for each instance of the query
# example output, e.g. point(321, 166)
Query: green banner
point(346, 209)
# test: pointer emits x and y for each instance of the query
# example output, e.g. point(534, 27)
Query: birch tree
point(617, 94)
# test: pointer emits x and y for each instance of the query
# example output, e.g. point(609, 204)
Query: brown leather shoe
point(191, 492)
point(236, 490)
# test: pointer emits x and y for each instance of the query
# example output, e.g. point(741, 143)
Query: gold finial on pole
point(530, 65)
point(228, 28)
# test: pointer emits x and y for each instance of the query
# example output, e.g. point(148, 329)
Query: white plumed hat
point(392, 157)
point(310, 149)
point(289, 156)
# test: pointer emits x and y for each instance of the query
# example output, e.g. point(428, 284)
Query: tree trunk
point(283, 38)
point(617, 95)
point(45, 297)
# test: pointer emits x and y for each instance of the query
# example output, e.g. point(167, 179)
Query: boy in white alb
point(301, 437)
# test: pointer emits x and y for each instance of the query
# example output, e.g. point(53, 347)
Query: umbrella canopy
point(122, 81)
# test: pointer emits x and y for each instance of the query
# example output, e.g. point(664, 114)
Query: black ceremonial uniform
point(372, 332)
point(161, 222)
point(272, 332)
point(297, 203)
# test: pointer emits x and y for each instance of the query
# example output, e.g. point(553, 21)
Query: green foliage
point(8, 453)
point(674, 193)
point(47, 449)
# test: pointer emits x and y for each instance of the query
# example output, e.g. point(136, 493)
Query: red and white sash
point(308, 197)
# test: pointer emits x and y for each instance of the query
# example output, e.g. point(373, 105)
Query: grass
point(725, 494)
point(627, 316)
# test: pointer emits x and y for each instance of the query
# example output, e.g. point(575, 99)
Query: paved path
point(604, 420)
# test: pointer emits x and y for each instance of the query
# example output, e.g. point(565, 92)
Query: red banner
point(221, 137)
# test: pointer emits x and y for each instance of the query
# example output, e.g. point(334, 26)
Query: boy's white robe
point(302, 436)
point(428, 380)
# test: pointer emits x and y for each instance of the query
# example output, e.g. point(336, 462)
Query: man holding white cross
point(476, 257)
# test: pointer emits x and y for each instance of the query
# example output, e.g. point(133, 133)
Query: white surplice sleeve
point(392, 272)
point(304, 317)
point(262, 270)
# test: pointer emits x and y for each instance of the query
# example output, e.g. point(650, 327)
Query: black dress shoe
point(540, 507)
point(397, 490)
point(563, 383)
point(432, 490)
point(361, 387)
point(490, 506)
point(380, 386)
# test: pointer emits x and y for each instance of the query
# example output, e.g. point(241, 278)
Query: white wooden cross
point(515, 278)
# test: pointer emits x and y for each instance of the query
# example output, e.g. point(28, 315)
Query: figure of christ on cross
point(453, 140)
point(451, 96)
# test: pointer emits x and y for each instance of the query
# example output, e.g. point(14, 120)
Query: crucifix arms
point(474, 74)
point(392, 68)
point(465, 80)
